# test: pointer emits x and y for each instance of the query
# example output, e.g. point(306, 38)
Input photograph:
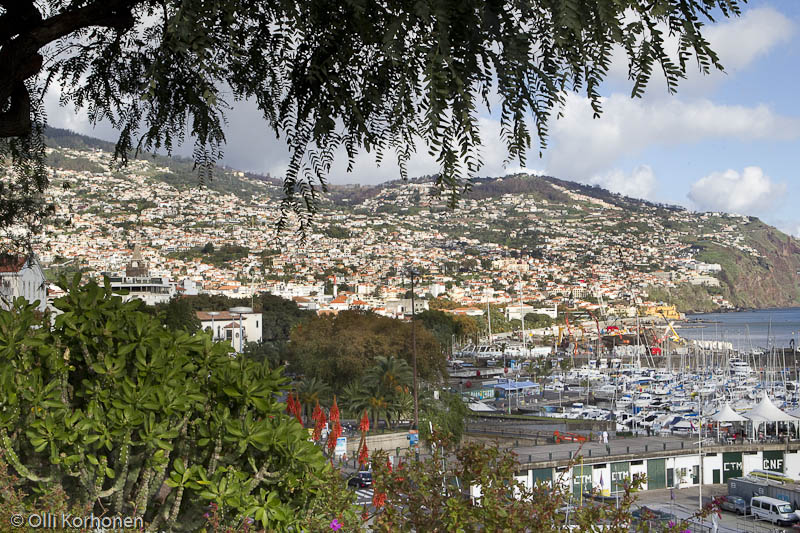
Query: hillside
point(581, 239)
point(767, 280)
point(175, 171)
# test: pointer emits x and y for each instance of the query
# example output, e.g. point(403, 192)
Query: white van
point(773, 510)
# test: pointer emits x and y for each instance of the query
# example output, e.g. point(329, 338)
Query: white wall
point(29, 283)
point(791, 464)
point(751, 462)
point(641, 470)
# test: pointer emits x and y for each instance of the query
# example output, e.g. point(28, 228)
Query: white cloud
point(640, 183)
point(742, 40)
point(523, 170)
point(750, 191)
point(583, 146)
point(738, 41)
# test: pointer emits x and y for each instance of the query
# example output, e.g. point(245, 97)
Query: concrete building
point(663, 462)
point(137, 282)
point(22, 276)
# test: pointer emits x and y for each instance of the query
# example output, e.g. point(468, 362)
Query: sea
point(747, 330)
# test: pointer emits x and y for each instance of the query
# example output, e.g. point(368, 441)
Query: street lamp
point(212, 314)
point(413, 273)
point(240, 311)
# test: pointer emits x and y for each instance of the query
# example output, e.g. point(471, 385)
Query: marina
point(593, 415)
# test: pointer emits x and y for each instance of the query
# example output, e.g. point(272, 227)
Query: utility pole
point(700, 452)
point(414, 352)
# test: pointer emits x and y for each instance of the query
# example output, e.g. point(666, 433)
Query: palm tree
point(311, 391)
point(355, 398)
point(390, 375)
point(402, 408)
point(388, 382)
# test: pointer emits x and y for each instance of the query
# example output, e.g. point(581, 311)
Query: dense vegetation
point(340, 349)
point(128, 416)
point(685, 297)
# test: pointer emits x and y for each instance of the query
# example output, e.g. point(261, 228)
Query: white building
point(225, 325)
point(403, 307)
point(22, 276)
point(138, 283)
point(151, 290)
point(516, 312)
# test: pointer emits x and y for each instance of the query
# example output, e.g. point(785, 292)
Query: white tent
point(727, 414)
point(765, 411)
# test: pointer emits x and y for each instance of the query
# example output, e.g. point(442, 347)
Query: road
point(685, 504)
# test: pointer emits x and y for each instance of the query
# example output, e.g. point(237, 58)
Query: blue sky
point(725, 142)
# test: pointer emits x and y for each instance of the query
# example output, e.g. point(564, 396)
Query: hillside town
point(507, 249)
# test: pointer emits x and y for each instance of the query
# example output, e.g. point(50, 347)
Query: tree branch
point(16, 121)
point(19, 17)
point(20, 59)
point(108, 13)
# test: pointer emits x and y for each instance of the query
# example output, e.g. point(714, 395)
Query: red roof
point(12, 263)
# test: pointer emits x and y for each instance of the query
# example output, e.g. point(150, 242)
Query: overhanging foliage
point(331, 76)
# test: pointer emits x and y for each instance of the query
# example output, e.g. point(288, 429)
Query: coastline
point(739, 310)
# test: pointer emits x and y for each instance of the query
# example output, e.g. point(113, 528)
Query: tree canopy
point(340, 349)
point(382, 77)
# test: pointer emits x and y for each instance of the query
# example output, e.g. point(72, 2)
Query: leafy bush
point(133, 419)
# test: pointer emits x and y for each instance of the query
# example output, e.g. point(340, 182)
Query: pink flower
point(335, 525)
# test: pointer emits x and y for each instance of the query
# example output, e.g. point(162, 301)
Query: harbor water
point(748, 331)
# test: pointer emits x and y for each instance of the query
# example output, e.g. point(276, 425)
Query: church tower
point(137, 267)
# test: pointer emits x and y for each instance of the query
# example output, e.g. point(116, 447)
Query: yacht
point(605, 392)
point(739, 367)
point(643, 400)
point(624, 401)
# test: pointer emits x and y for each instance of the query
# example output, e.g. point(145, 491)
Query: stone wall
point(388, 442)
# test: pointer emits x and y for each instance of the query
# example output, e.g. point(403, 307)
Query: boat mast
point(489, 315)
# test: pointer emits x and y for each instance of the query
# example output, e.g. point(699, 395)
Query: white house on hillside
point(22, 276)
point(226, 326)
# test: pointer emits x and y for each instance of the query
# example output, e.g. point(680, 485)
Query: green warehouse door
point(656, 474)
point(773, 460)
point(619, 473)
point(542, 476)
point(731, 465)
point(581, 480)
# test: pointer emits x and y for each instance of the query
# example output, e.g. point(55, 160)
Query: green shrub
point(130, 418)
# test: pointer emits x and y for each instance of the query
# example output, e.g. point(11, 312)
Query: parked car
point(735, 504)
point(773, 510)
point(647, 514)
point(360, 480)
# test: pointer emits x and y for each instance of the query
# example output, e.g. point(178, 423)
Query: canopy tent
point(727, 414)
point(480, 407)
point(765, 411)
point(795, 412)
